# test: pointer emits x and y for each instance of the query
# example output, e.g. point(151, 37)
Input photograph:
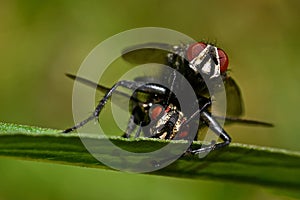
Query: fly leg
point(127, 84)
point(204, 102)
point(131, 126)
point(212, 123)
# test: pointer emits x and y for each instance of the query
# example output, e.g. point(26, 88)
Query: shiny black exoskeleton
point(159, 109)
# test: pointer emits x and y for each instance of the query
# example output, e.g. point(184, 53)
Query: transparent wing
point(120, 98)
point(101, 88)
point(230, 120)
point(143, 94)
point(235, 105)
point(147, 53)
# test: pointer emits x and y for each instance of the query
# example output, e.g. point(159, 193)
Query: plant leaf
point(239, 163)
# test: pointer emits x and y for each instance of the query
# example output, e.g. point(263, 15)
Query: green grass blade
point(238, 163)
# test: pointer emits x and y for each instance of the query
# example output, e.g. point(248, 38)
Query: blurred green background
point(41, 40)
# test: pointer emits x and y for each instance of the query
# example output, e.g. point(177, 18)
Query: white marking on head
point(203, 63)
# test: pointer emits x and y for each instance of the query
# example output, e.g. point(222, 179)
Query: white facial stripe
point(199, 59)
point(206, 63)
point(217, 67)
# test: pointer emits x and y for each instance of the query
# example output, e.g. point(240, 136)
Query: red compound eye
point(156, 110)
point(223, 60)
point(194, 50)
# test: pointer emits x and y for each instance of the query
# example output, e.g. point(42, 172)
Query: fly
point(159, 108)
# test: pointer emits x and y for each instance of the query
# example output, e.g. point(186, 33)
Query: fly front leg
point(127, 84)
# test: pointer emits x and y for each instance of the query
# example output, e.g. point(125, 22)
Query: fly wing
point(87, 82)
point(230, 120)
point(101, 88)
point(147, 53)
point(121, 97)
point(235, 105)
